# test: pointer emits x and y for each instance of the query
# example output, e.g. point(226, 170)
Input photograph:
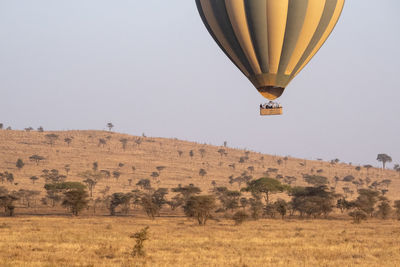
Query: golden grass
point(104, 241)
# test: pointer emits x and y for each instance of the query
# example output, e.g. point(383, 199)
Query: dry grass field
point(152, 152)
point(37, 237)
point(104, 241)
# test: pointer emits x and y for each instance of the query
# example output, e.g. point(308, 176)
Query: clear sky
point(150, 66)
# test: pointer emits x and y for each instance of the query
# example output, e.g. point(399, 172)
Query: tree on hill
point(67, 168)
point(53, 176)
point(202, 172)
point(124, 142)
point(180, 152)
point(51, 138)
point(368, 166)
point(9, 177)
point(20, 164)
point(116, 174)
point(34, 179)
point(250, 169)
point(40, 129)
point(191, 154)
point(1, 126)
point(265, 186)
point(28, 129)
point(68, 140)
point(384, 158)
point(91, 184)
point(110, 126)
point(349, 178)
point(102, 142)
point(154, 175)
point(200, 207)
point(316, 180)
point(202, 152)
point(36, 158)
point(144, 184)
point(397, 168)
point(397, 208)
point(221, 152)
point(160, 169)
point(95, 166)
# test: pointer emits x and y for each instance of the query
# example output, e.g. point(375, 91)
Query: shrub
point(140, 237)
point(358, 216)
point(239, 217)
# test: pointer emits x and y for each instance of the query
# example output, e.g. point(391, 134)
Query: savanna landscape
point(101, 198)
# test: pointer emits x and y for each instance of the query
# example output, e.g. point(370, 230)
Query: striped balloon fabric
point(270, 41)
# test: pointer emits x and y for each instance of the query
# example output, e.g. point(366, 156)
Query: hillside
point(143, 155)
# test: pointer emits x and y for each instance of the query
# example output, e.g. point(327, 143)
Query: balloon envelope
point(270, 41)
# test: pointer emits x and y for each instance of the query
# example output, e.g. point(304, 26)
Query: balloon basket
point(271, 111)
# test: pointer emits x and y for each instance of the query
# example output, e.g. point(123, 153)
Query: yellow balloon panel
point(270, 41)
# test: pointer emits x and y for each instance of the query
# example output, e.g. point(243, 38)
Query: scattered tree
point(384, 158)
point(76, 200)
point(34, 179)
point(68, 140)
point(51, 138)
point(200, 207)
point(36, 158)
point(110, 126)
point(20, 164)
point(124, 142)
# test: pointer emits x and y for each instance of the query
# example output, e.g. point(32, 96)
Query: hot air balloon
point(270, 41)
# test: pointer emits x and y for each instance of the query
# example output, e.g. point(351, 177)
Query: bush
point(358, 216)
point(239, 217)
point(140, 237)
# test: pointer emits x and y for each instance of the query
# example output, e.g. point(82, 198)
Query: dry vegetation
point(61, 241)
point(145, 154)
point(31, 239)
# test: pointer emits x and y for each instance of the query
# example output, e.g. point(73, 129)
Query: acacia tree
point(7, 201)
point(76, 200)
point(221, 152)
point(200, 207)
point(68, 140)
point(110, 126)
point(202, 172)
point(124, 142)
point(102, 142)
point(265, 186)
point(397, 208)
point(384, 158)
point(180, 152)
point(51, 138)
point(34, 179)
point(397, 168)
point(67, 168)
point(202, 152)
point(20, 164)
point(36, 158)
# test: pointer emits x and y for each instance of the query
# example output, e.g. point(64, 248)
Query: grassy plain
point(104, 241)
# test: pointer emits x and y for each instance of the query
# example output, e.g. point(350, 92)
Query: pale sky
point(150, 66)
